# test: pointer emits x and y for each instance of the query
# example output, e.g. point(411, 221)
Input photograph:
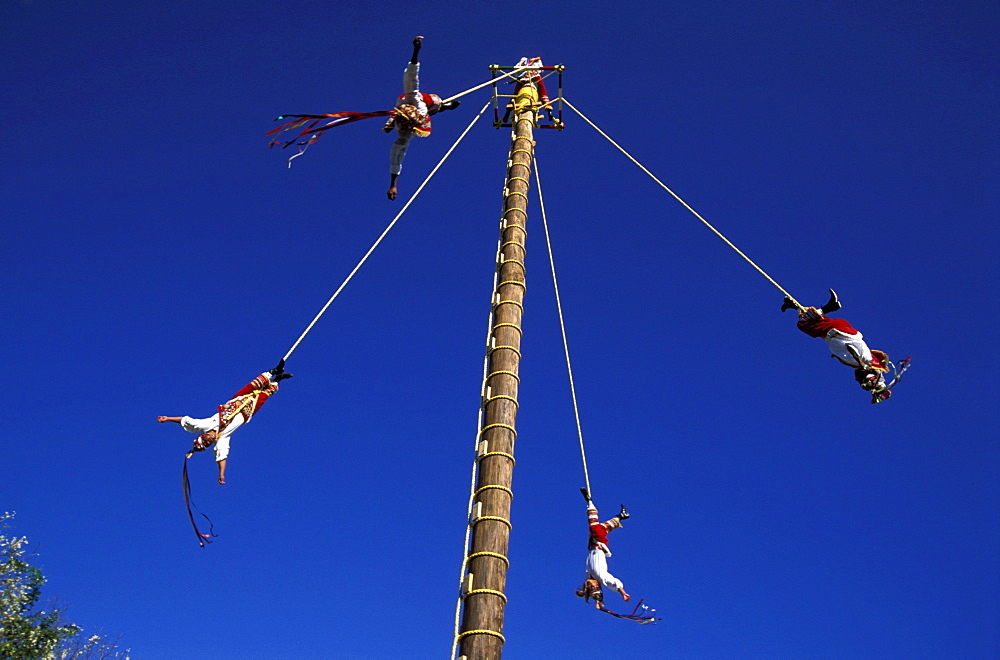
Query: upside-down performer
point(410, 117)
point(847, 345)
point(215, 431)
point(597, 575)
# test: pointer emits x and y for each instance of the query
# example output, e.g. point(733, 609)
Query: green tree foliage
point(27, 634)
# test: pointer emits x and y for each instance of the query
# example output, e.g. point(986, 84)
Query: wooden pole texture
point(481, 632)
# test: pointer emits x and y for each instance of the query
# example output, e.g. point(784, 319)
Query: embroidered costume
point(232, 414)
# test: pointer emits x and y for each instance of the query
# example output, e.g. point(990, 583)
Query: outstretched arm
point(416, 49)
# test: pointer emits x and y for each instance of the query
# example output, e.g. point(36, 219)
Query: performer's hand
point(161, 419)
point(391, 193)
point(189, 454)
point(222, 480)
point(416, 42)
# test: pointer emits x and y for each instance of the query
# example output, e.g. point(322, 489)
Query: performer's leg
point(597, 568)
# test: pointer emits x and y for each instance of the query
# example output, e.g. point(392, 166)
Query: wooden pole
point(481, 631)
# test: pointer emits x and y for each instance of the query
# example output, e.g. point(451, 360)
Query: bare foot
point(391, 194)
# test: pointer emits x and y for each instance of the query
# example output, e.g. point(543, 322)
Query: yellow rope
point(509, 325)
point(685, 204)
point(387, 229)
point(507, 74)
point(499, 426)
point(497, 453)
point(504, 373)
point(497, 348)
point(509, 302)
point(475, 521)
point(502, 396)
point(515, 283)
point(511, 261)
point(479, 632)
point(494, 487)
point(517, 243)
point(492, 592)
point(490, 554)
point(562, 326)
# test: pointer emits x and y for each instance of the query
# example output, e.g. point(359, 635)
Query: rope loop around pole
point(491, 592)
point(482, 632)
point(499, 426)
point(509, 302)
point(504, 373)
point(495, 555)
point(508, 325)
point(494, 349)
point(494, 487)
point(498, 397)
point(476, 521)
point(497, 453)
point(511, 261)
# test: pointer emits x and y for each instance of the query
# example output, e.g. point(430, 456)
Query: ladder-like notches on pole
point(552, 111)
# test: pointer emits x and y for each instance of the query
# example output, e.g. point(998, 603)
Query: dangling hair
point(880, 361)
point(591, 588)
point(201, 443)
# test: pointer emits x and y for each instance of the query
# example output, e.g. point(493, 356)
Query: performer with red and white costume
point(413, 111)
point(597, 557)
point(845, 342)
point(215, 431)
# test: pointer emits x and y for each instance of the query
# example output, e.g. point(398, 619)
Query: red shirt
point(598, 534)
point(819, 327)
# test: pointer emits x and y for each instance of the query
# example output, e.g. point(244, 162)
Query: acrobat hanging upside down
point(215, 431)
point(597, 575)
point(410, 117)
point(848, 346)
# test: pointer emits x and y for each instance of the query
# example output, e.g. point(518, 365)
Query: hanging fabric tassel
point(642, 614)
point(189, 502)
point(312, 128)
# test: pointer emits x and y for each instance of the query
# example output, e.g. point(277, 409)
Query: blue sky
point(158, 256)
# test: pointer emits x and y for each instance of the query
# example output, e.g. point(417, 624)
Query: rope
point(492, 592)
point(495, 555)
point(508, 74)
point(562, 326)
point(685, 204)
point(479, 632)
point(379, 240)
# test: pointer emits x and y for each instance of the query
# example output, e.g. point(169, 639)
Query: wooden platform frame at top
point(556, 104)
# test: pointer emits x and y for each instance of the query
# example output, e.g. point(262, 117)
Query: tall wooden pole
point(481, 633)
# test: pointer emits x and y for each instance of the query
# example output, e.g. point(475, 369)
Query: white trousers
point(411, 96)
point(199, 426)
point(838, 342)
point(597, 568)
